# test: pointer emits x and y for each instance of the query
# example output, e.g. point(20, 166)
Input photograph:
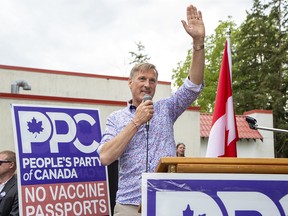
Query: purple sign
point(58, 166)
point(214, 194)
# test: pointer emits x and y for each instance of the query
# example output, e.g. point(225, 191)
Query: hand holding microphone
point(149, 105)
point(144, 111)
point(148, 98)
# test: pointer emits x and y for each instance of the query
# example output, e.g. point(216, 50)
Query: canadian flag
point(223, 135)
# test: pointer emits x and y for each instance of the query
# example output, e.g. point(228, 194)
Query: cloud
point(96, 36)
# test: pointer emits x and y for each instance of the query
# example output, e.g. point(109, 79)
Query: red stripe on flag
point(223, 135)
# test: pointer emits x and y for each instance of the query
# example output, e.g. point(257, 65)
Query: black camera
point(252, 122)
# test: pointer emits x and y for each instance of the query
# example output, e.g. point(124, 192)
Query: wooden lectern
point(223, 165)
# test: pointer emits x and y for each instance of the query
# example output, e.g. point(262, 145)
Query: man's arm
point(195, 28)
point(13, 193)
point(113, 149)
point(15, 206)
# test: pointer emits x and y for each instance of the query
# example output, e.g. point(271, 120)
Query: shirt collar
point(131, 106)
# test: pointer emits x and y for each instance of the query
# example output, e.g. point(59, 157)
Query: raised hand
point(194, 25)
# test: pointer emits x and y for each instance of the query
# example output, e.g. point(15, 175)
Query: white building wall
point(266, 148)
point(67, 84)
point(187, 130)
point(84, 86)
point(253, 148)
point(87, 86)
point(247, 148)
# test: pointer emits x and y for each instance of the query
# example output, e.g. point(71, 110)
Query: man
point(127, 134)
point(8, 184)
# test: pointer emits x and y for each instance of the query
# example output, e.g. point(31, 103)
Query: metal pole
point(271, 129)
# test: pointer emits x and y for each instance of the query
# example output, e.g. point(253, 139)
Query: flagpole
point(229, 52)
point(223, 134)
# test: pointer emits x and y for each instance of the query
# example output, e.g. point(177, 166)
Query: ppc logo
point(54, 128)
point(35, 127)
point(244, 203)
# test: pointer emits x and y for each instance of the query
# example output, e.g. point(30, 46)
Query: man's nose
point(147, 83)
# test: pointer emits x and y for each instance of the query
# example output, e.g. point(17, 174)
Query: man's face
point(143, 82)
point(5, 167)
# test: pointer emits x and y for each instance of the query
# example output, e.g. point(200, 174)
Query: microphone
point(145, 98)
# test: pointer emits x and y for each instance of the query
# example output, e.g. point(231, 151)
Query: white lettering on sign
point(200, 203)
point(249, 201)
point(45, 129)
point(69, 199)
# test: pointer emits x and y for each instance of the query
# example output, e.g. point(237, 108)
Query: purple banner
point(214, 194)
point(58, 167)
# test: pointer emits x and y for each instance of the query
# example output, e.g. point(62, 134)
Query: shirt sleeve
point(109, 132)
point(191, 86)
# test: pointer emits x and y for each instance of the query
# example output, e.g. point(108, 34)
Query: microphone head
point(147, 97)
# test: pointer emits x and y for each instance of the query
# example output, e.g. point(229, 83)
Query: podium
point(216, 186)
point(223, 165)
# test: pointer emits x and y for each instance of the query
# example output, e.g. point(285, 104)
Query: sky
point(96, 36)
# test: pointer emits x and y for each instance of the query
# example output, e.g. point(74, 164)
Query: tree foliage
point(214, 46)
point(260, 65)
point(139, 56)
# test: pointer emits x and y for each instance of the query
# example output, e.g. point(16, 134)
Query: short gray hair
point(10, 156)
point(143, 67)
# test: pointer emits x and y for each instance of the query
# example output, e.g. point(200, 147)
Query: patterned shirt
point(161, 143)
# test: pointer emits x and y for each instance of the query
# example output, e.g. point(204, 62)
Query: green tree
point(214, 46)
point(139, 57)
point(214, 53)
point(261, 65)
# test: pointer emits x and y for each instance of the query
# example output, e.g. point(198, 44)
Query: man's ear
point(13, 164)
point(129, 83)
